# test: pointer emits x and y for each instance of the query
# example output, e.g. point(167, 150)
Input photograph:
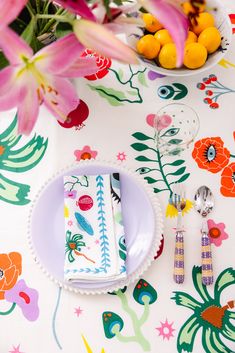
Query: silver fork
point(179, 202)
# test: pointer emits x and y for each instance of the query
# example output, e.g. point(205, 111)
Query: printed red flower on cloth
point(85, 153)
point(10, 269)
point(216, 232)
point(26, 298)
point(210, 154)
point(228, 181)
point(102, 63)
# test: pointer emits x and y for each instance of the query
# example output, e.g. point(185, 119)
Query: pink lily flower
point(94, 35)
point(33, 79)
point(172, 18)
point(9, 10)
point(79, 7)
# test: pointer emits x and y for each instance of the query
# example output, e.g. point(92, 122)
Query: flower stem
point(56, 17)
point(145, 314)
point(8, 311)
point(38, 2)
point(29, 8)
point(232, 155)
point(51, 22)
point(162, 172)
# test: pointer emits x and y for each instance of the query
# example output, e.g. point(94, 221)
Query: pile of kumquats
point(203, 39)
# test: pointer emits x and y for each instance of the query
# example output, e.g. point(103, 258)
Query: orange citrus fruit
point(187, 7)
point(195, 55)
point(148, 46)
point(204, 20)
point(151, 23)
point(163, 36)
point(192, 38)
point(210, 38)
point(167, 56)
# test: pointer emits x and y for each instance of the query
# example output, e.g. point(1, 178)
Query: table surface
point(115, 116)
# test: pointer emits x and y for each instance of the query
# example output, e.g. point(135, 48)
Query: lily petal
point(79, 7)
point(187, 334)
point(28, 109)
point(62, 99)
point(186, 300)
point(7, 76)
point(97, 37)
point(14, 47)
point(58, 56)
point(9, 10)
point(82, 67)
point(11, 98)
point(172, 19)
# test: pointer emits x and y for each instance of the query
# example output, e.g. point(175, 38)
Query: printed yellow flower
point(172, 212)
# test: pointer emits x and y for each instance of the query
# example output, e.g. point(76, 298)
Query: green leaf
point(183, 93)
point(113, 97)
point(139, 146)
point(3, 61)
point(122, 255)
point(132, 93)
point(179, 171)
point(63, 29)
point(156, 190)
point(177, 162)
point(225, 279)
point(141, 79)
point(175, 141)
point(29, 31)
point(183, 178)
point(180, 86)
point(118, 2)
point(175, 151)
point(141, 137)
point(143, 159)
point(150, 180)
point(120, 73)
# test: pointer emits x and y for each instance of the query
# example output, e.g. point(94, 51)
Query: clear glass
point(176, 126)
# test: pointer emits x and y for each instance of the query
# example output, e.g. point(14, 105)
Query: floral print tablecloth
point(115, 123)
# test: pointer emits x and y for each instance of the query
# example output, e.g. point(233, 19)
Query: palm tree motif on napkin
point(209, 315)
point(18, 160)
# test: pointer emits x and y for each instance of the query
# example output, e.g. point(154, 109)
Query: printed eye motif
point(143, 170)
point(211, 153)
point(171, 132)
point(165, 92)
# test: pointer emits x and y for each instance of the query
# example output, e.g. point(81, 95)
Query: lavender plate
point(142, 220)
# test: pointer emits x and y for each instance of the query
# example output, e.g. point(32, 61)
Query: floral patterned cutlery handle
point(207, 269)
point(179, 257)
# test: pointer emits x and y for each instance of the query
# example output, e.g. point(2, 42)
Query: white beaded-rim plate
point(142, 219)
point(222, 22)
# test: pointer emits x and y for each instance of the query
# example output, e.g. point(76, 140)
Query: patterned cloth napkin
point(95, 243)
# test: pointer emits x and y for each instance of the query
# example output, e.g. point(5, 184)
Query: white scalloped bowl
point(142, 218)
point(222, 23)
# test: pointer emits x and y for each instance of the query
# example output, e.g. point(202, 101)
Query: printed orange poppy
point(210, 154)
point(10, 269)
point(228, 181)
